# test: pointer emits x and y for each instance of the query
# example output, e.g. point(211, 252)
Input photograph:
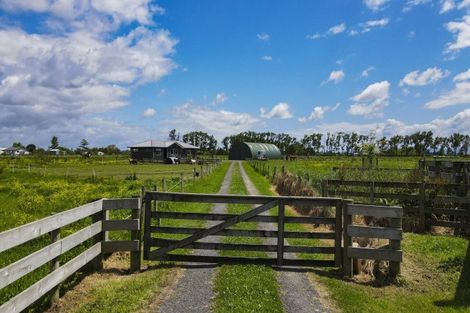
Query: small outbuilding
point(254, 151)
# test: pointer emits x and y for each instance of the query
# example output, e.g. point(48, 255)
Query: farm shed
point(252, 150)
point(159, 151)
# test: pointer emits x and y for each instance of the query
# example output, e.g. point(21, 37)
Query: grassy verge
point(435, 275)
point(245, 288)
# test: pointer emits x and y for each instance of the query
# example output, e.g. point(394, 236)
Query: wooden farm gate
point(160, 224)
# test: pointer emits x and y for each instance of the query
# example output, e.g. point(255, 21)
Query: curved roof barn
point(254, 150)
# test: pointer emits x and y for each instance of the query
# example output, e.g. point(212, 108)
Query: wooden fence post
point(347, 242)
point(422, 201)
point(338, 231)
point(394, 267)
point(280, 234)
point(137, 235)
point(164, 184)
point(194, 175)
point(98, 261)
point(55, 264)
point(147, 222)
point(274, 173)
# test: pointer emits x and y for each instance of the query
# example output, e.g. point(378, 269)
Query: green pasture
point(435, 275)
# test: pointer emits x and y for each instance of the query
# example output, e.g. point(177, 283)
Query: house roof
point(162, 144)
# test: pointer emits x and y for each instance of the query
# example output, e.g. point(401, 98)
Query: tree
point(17, 145)
point(54, 143)
point(172, 135)
point(31, 148)
point(84, 144)
point(204, 141)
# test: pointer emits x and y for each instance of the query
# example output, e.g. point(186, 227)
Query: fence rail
point(97, 231)
point(423, 203)
point(165, 246)
point(393, 233)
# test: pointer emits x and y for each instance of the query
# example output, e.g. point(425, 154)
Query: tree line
point(418, 143)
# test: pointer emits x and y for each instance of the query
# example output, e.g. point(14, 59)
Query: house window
point(158, 151)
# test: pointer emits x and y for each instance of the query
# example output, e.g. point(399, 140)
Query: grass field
point(26, 197)
point(343, 167)
point(435, 275)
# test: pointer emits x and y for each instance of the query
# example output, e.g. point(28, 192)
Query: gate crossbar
point(213, 230)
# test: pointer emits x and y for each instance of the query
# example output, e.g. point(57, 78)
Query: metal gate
point(160, 227)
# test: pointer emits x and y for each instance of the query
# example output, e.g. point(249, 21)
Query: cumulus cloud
point(462, 37)
point(263, 37)
point(439, 126)
point(371, 101)
point(318, 113)
point(462, 76)
point(188, 117)
point(49, 78)
point(460, 94)
point(149, 112)
point(96, 15)
point(375, 4)
point(429, 76)
point(335, 77)
point(447, 5)
point(220, 98)
point(280, 110)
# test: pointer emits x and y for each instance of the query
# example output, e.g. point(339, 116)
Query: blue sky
point(125, 71)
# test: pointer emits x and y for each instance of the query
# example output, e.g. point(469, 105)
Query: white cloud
point(96, 15)
point(335, 77)
point(337, 29)
point(280, 110)
point(45, 77)
point(462, 31)
point(365, 73)
point(375, 4)
point(188, 117)
point(267, 58)
point(429, 76)
point(318, 113)
point(333, 30)
point(447, 5)
point(410, 4)
point(220, 98)
point(149, 112)
point(439, 126)
point(69, 75)
point(313, 36)
point(459, 95)
point(371, 101)
point(263, 36)
point(367, 26)
point(462, 76)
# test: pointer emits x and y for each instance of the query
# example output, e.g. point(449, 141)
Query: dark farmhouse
point(159, 151)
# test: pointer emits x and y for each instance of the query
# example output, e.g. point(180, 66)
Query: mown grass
point(435, 275)
point(245, 288)
point(26, 197)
